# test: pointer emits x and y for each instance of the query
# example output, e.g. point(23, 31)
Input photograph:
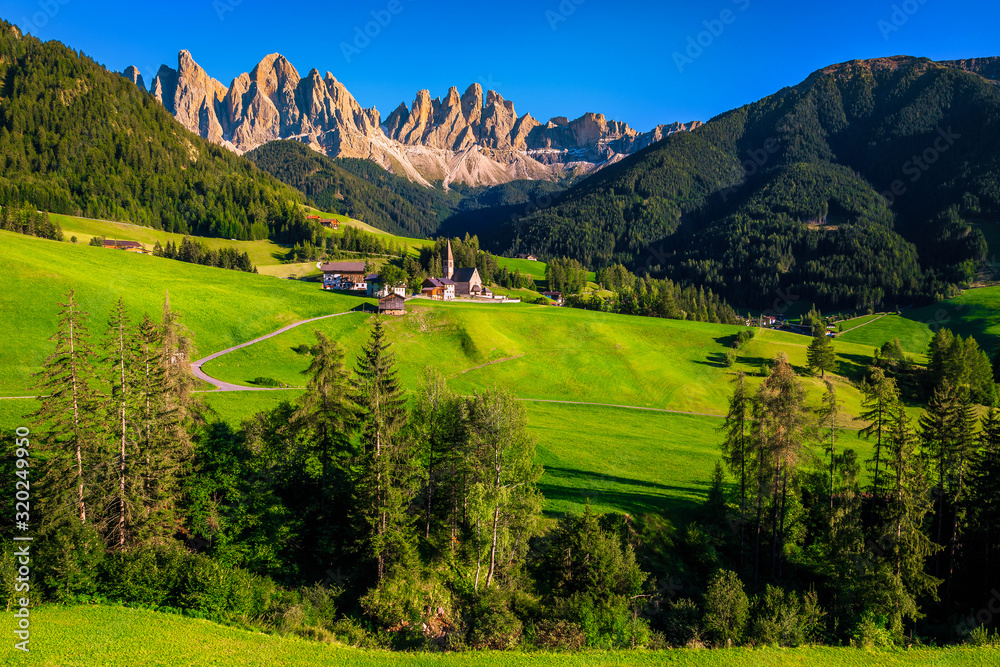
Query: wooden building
point(439, 289)
point(343, 275)
point(378, 289)
point(393, 304)
point(130, 246)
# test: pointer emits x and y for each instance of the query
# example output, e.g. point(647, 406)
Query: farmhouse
point(343, 275)
point(530, 258)
point(130, 246)
point(332, 224)
point(376, 288)
point(557, 297)
point(393, 304)
point(439, 289)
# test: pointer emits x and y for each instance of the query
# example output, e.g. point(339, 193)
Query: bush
point(982, 637)
point(68, 562)
point(266, 382)
point(683, 626)
point(727, 609)
point(730, 359)
point(493, 625)
point(871, 632)
point(559, 635)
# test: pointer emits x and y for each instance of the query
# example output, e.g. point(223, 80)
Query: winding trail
point(228, 386)
point(875, 319)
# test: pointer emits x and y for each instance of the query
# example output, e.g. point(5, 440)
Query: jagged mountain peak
point(472, 137)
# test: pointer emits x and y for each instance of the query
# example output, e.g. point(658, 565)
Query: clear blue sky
point(551, 57)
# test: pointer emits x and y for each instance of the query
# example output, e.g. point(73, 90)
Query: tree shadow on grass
point(581, 486)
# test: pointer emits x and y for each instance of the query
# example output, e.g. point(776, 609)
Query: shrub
point(982, 637)
point(683, 626)
point(559, 634)
point(266, 382)
point(871, 632)
point(727, 609)
point(493, 624)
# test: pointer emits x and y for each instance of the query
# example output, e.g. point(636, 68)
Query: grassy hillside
point(553, 353)
point(220, 307)
point(116, 636)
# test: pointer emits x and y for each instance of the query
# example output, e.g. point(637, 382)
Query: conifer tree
point(67, 384)
point(880, 399)
point(827, 418)
point(736, 447)
point(384, 483)
point(121, 411)
point(821, 355)
point(984, 492)
point(328, 409)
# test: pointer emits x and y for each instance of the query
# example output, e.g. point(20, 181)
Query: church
point(467, 281)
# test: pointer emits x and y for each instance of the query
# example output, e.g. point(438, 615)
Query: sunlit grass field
point(108, 636)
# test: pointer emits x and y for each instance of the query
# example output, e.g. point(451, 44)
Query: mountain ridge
point(475, 138)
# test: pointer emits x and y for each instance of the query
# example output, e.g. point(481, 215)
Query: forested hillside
point(869, 175)
point(357, 188)
point(78, 139)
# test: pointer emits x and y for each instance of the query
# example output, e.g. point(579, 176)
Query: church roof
point(464, 275)
point(451, 257)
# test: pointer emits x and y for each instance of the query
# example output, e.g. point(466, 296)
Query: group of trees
point(27, 220)
point(885, 553)
point(657, 298)
point(566, 275)
point(197, 252)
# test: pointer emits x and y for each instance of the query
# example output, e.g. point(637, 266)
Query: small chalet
point(557, 297)
point(332, 224)
point(130, 246)
point(376, 288)
point(439, 289)
point(530, 258)
point(393, 304)
point(343, 275)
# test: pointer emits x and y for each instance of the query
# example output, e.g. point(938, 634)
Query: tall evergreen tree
point(827, 416)
point(984, 492)
point(736, 447)
point(880, 399)
point(384, 483)
point(68, 386)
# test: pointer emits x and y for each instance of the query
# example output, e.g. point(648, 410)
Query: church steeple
point(449, 263)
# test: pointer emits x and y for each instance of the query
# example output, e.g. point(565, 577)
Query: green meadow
point(220, 307)
point(109, 636)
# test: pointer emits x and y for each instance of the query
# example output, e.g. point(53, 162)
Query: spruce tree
point(984, 492)
point(384, 483)
point(821, 355)
point(880, 399)
point(827, 420)
point(736, 447)
point(67, 386)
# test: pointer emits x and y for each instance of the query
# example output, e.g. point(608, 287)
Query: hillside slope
point(767, 197)
point(77, 139)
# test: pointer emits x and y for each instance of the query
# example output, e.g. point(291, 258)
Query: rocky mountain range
point(474, 138)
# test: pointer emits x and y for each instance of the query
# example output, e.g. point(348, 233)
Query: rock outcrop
point(475, 138)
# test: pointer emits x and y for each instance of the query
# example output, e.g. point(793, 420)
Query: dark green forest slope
point(78, 139)
point(869, 173)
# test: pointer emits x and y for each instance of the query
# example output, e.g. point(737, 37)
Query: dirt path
point(874, 319)
point(227, 386)
point(498, 361)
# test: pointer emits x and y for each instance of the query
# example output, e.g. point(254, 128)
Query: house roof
point(390, 297)
point(343, 267)
point(464, 275)
point(122, 244)
point(437, 282)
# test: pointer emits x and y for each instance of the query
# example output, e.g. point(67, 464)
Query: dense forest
point(80, 140)
point(359, 189)
point(861, 187)
point(360, 515)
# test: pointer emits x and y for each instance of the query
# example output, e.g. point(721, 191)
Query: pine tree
point(328, 409)
point(907, 505)
point(68, 386)
point(821, 355)
point(384, 483)
point(984, 491)
point(827, 419)
point(736, 447)
point(122, 406)
point(880, 399)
